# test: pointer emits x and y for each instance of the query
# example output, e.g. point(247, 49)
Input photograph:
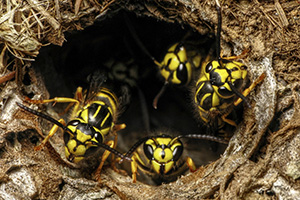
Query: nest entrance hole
point(65, 68)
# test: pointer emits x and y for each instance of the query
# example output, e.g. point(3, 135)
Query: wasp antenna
point(204, 137)
point(219, 28)
point(240, 95)
point(145, 112)
point(134, 147)
point(175, 138)
point(40, 114)
point(114, 151)
point(138, 41)
point(162, 90)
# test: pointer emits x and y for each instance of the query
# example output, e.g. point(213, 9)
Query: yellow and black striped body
point(221, 85)
point(91, 125)
point(179, 63)
point(213, 94)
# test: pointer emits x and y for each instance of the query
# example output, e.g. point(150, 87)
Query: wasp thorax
point(175, 67)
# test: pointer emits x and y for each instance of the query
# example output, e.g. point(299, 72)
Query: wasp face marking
point(163, 153)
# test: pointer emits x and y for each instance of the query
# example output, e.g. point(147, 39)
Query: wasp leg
point(66, 109)
point(115, 144)
point(78, 95)
point(134, 167)
point(190, 163)
point(58, 100)
point(76, 100)
point(104, 157)
point(248, 90)
point(243, 54)
point(113, 162)
point(118, 127)
point(51, 133)
point(55, 100)
point(228, 121)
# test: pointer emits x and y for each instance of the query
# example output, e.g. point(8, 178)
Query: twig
point(36, 18)
point(282, 16)
point(7, 77)
point(106, 6)
point(2, 67)
point(56, 6)
point(77, 6)
point(51, 20)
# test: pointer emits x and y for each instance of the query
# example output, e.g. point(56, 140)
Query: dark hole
point(10, 137)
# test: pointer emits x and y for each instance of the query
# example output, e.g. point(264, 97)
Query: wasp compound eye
point(177, 152)
point(182, 73)
point(148, 150)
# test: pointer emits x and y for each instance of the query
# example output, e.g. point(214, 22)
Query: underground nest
point(261, 160)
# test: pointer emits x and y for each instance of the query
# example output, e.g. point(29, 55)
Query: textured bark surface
point(261, 160)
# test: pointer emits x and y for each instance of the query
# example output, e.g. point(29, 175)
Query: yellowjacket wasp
point(161, 157)
point(93, 119)
point(178, 65)
point(220, 86)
